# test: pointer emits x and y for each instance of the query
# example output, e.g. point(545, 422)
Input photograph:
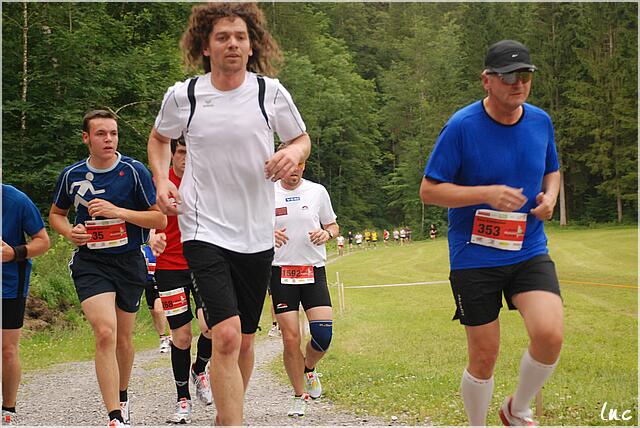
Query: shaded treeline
point(375, 83)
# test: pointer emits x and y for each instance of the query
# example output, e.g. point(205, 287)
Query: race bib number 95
point(498, 229)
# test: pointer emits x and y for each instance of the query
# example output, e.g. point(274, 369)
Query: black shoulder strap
point(191, 94)
point(261, 89)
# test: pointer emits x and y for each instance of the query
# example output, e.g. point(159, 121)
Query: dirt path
point(68, 394)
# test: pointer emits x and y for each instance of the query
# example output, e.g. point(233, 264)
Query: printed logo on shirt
point(208, 102)
point(83, 187)
point(292, 199)
point(304, 208)
point(281, 211)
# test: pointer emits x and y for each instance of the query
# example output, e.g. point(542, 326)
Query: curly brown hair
point(266, 53)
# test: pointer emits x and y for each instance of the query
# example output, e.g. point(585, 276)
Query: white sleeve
point(171, 120)
point(288, 123)
point(326, 214)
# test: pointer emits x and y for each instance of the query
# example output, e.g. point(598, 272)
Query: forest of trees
point(375, 83)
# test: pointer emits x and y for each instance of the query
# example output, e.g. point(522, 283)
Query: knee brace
point(321, 332)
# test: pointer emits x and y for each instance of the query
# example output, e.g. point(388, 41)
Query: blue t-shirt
point(149, 259)
point(475, 150)
point(19, 216)
point(126, 184)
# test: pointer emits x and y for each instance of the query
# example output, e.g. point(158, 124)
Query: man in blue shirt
point(495, 167)
point(19, 217)
point(115, 203)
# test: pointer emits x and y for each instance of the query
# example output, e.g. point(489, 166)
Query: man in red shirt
point(174, 285)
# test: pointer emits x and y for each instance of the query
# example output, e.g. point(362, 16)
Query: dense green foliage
point(375, 82)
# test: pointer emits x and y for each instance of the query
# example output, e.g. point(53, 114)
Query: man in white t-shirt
point(305, 221)
point(340, 243)
point(226, 200)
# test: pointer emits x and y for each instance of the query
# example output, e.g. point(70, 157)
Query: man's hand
point(101, 208)
point(283, 162)
point(319, 237)
point(505, 198)
point(79, 235)
point(7, 252)
point(167, 196)
point(281, 237)
point(545, 206)
point(158, 243)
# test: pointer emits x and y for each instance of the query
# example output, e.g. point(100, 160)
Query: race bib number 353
point(498, 229)
point(296, 275)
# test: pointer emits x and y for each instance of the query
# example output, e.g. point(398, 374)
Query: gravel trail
point(68, 394)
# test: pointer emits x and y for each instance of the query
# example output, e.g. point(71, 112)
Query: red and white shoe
point(510, 420)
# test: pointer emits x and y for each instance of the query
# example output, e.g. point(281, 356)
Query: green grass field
point(396, 351)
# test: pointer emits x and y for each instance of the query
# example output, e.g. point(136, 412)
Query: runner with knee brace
point(298, 276)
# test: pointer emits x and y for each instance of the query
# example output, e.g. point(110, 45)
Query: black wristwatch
point(330, 234)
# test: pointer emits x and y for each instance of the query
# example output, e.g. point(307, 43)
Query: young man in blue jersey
point(497, 243)
point(20, 217)
point(115, 203)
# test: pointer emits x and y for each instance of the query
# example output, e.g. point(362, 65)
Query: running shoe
point(275, 331)
point(203, 390)
point(165, 344)
point(511, 420)
point(182, 414)
point(299, 406)
point(312, 384)
point(9, 418)
point(115, 423)
point(124, 409)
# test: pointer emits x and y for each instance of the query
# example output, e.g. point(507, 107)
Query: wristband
point(19, 253)
point(330, 234)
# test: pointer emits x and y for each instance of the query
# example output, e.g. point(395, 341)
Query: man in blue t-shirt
point(20, 217)
point(115, 204)
point(495, 167)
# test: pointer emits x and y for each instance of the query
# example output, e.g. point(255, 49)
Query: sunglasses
point(514, 76)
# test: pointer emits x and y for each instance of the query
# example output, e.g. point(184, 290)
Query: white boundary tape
point(398, 285)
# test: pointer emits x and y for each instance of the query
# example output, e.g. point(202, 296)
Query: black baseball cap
point(506, 56)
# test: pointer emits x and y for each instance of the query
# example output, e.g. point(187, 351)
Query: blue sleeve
point(146, 191)
point(60, 195)
point(31, 219)
point(446, 156)
point(551, 163)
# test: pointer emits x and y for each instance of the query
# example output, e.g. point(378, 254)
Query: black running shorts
point(287, 297)
point(229, 283)
point(478, 292)
point(13, 313)
point(125, 274)
point(177, 280)
point(151, 292)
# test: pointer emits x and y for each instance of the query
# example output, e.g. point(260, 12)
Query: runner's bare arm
point(320, 236)
point(159, 152)
point(38, 245)
point(149, 219)
point(546, 199)
point(284, 161)
point(500, 197)
point(60, 223)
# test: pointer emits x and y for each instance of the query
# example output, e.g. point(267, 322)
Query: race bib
point(497, 229)
point(106, 233)
point(296, 275)
point(151, 268)
point(174, 302)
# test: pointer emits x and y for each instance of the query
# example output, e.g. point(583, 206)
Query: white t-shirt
point(226, 199)
point(301, 211)
point(340, 241)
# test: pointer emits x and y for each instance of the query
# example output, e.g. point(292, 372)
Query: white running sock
point(476, 394)
point(532, 376)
